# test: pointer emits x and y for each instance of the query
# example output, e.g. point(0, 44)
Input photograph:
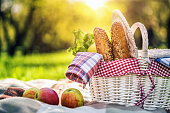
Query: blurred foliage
point(35, 66)
point(82, 42)
point(155, 14)
point(41, 26)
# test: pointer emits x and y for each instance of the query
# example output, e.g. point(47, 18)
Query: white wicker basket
point(125, 90)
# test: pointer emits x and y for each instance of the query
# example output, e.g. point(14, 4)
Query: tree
point(155, 16)
point(41, 26)
point(9, 20)
point(168, 34)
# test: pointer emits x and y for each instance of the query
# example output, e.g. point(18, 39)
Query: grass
point(35, 66)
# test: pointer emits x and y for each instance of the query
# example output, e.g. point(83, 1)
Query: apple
point(30, 93)
point(72, 98)
point(48, 96)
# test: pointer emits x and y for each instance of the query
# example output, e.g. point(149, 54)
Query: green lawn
point(35, 66)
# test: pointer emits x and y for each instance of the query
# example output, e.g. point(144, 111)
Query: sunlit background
point(35, 34)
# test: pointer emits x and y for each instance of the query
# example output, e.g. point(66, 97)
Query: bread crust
point(103, 44)
point(119, 42)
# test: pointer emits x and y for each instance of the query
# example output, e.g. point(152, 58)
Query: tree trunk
point(20, 35)
point(168, 33)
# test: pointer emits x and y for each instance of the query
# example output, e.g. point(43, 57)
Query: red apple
point(72, 98)
point(30, 93)
point(48, 96)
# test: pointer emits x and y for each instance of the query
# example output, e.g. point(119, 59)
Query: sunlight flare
point(94, 4)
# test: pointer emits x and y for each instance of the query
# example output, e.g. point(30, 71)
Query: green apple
point(48, 96)
point(30, 93)
point(72, 98)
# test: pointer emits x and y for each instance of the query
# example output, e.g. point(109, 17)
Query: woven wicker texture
point(125, 90)
point(157, 53)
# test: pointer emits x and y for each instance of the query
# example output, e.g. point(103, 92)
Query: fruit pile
point(70, 98)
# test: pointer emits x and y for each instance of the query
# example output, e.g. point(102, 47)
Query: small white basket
point(125, 90)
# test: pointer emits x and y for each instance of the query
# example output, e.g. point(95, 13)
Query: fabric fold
point(164, 60)
point(83, 66)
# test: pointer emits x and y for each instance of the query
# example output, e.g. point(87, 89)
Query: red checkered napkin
point(130, 65)
point(118, 67)
point(159, 69)
point(83, 66)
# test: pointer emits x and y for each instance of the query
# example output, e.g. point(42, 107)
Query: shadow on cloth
point(26, 105)
point(96, 108)
point(19, 105)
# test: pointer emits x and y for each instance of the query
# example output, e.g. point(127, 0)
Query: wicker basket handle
point(144, 39)
point(118, 16)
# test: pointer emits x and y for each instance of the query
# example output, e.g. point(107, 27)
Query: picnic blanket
point(26, 105)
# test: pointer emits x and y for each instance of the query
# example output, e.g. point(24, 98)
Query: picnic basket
point(126, 90)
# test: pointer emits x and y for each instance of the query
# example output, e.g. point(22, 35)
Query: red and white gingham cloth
point(86, 64)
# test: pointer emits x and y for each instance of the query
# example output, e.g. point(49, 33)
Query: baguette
point(103, 44)
point(119, 42)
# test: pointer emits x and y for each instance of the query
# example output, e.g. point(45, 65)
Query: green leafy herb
point(82, 42)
